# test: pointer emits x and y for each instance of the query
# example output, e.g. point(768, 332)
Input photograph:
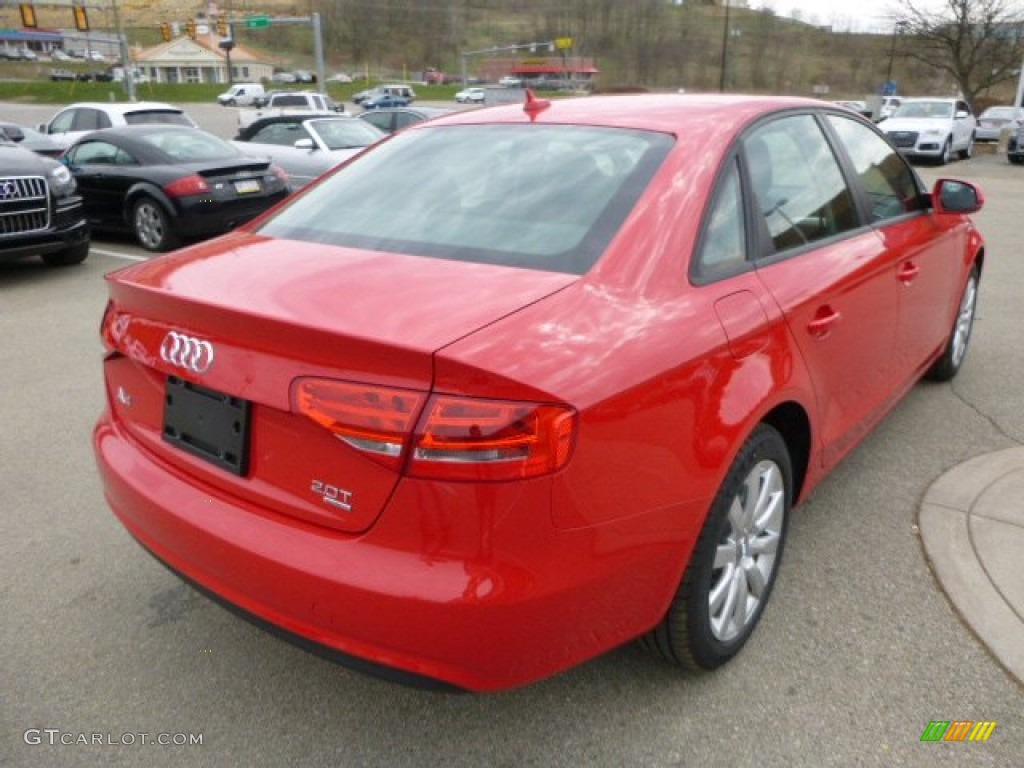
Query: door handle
point(908, 272)
point(824, 319)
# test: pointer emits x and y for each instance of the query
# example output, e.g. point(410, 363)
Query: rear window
point(158, 116)
point(541, 197)
point(190, 146)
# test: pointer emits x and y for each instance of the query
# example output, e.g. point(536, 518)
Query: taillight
point(456, 438)
point(376, 420)
point(187, 186)
point(461, 438)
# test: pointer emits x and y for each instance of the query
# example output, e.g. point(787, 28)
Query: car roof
point(667, 113)
point(125, 108)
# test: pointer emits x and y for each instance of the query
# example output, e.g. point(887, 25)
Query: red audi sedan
point(519, 385)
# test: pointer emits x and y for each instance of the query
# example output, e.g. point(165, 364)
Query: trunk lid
point(250, 316)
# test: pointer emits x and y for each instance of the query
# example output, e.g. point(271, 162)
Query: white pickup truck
point(288, 103)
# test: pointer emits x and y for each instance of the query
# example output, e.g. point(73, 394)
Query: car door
point(104, 173)
point(829, 273)
point(964, 125)
point(924, 248)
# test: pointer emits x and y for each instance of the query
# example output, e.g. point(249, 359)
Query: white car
point(306, 146)
point(76, 120)
point(932, 129)
point(510, 81)
point(471, 96)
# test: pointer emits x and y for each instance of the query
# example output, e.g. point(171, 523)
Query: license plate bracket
point(209, 424)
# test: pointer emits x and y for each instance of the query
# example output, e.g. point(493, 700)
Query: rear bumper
point(502, 601)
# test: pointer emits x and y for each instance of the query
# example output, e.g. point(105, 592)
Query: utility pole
point(725, 47)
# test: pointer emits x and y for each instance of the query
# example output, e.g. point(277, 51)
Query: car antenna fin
point(533, 106)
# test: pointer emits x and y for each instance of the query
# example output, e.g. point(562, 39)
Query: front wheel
point(947, 152)
point(730, 576)
point(948, 366)
point(968, 152)
point(152, 226)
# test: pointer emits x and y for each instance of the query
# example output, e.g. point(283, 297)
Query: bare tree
point(978, 42)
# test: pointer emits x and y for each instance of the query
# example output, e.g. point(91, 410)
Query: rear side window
point(723, 244)
point(536, 196)
point(798, 187)
point(157, 116)
point(890, 185)
point(190, 146)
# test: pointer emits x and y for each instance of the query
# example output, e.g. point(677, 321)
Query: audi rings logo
point(186, 352)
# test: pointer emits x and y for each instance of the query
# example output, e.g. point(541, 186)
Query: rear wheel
point(948, 366)
point(152, 226)
point(730, 576)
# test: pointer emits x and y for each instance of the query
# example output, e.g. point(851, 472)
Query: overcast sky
point(860, 15)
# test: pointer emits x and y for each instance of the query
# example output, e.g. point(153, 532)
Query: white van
point(240, 94)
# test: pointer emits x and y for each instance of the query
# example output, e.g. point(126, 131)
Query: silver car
point(992, 120)
point(306, 146)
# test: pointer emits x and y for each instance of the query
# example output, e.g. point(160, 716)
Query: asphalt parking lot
point(106, 654)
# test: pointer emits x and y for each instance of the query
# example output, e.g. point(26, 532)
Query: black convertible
point(167, 183)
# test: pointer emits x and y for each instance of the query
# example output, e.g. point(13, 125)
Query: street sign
point(257, 22)
point(562, 43)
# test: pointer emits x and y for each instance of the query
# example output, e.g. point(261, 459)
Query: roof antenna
point(533, 106)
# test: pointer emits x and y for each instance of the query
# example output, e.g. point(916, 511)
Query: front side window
point(798, 187)
point(90, 120)
point(95, 153)
point(345, 133)
point(62, 123)
point(889, 183)
point(534, 196)
point(282, 134)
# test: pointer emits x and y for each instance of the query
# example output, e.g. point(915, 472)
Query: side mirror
point(43, 128)
point(961, 115)
point(304, 144)
point(950, 196)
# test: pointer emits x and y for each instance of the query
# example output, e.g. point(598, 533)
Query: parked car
point(304, 76)
point(517, 386)
point(471, 96)
point(41, 211)
point(381, 92)
point(887, 107)
point(76, 120)
point(1015, 147)
point(339, 77)
point(304, 146)
point(58, 55)
point(283, 77)
point(241, 95)
point(166, 183)
point(61, 74)
point(384, 100)
point(993, 119)
point(30, 139)
point(510, 81)
point(391, 119)
point(933, 129)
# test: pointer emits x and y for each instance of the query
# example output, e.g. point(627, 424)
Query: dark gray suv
point(40, 210)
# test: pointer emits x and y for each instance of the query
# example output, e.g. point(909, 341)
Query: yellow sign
point(561, 43)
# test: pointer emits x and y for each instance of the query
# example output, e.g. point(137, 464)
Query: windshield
point(543, 197)
point(933, 109)
point(345, 132)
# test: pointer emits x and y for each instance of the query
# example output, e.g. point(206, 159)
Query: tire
point(947, 151)
point(735, 560)
point(949, 364)
point(151, 225)
point(76, 254)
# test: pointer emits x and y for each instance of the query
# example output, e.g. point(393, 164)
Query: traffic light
point(222, 26)
point(81, 18)
point(190, 28)
point(28, 15)
point(165, 31)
